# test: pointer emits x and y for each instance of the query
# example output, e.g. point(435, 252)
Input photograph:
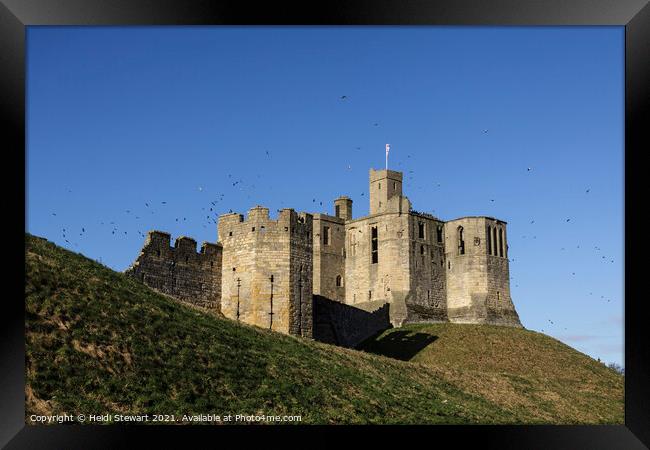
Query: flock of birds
point(210, 210)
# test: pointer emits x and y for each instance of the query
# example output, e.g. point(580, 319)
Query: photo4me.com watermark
point(160, 418)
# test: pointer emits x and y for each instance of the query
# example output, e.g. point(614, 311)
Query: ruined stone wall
point(330, 257)
point(347, 325)
point(427, 301)
point(261, 262)
point(180, 271)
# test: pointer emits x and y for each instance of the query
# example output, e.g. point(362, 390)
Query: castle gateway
point(395, 265)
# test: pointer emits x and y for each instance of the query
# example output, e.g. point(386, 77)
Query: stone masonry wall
point(387, 280)
point(427, 301)
point(500, 308)
point(301, 275)
point(329, 259)
point(180, 271)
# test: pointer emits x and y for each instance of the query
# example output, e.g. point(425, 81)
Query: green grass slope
point(99, 342)
point(521, 371)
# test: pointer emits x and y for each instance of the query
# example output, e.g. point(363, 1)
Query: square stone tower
point(267, 270)
point(384, 184)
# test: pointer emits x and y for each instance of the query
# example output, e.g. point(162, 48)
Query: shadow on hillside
point(347, 325)
point(403, 345)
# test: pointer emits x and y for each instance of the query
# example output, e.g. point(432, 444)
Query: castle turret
point(343, 208)
point(478, 279)
point(384, 185)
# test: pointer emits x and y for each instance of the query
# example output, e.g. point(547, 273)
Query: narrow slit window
point(489, 240)
point(421, 230)
point(374, 246)
point(439, 234)
point(326, 235)
point(339, 282)
point(501, 242)
point(461, 241)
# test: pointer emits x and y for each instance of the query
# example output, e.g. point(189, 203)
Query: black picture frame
point(634, 15)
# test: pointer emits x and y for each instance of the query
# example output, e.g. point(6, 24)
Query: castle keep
point(395, 265)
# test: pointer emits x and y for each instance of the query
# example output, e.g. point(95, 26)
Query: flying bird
point(343, 97)
point(485, 131)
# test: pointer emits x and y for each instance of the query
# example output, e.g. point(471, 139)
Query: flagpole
point(387, 147)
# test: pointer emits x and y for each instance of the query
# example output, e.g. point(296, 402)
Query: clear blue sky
point(120, 117)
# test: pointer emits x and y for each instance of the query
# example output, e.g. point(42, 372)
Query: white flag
point(387, 148)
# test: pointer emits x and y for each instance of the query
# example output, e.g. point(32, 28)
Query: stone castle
point(338, 278)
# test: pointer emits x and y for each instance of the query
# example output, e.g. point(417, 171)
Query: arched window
point(489, 240)
point(461, 241)
point(339, 282)
point(500, 241)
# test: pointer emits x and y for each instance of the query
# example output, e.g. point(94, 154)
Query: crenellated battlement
point(180, 271)
point(157, 244)
point(259, 221)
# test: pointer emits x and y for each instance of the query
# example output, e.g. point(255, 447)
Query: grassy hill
point(98, 342)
